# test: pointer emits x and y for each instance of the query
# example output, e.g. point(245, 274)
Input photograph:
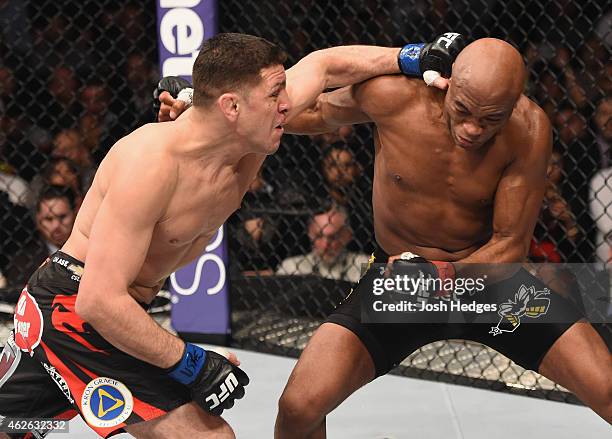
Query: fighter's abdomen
point(429, 197)
point(431, 227)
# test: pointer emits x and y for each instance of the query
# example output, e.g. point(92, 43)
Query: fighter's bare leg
point(334, 364)
point(581, 362)
point(186, 421)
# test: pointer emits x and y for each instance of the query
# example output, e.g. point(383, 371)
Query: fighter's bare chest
point(195, 214)
point(433, 166)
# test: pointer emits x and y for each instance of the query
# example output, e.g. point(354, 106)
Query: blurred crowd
point(75, 78)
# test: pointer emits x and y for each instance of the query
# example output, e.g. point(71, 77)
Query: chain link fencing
point(75, 76)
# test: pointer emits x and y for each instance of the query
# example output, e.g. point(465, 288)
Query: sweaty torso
point(202, 200)
point(430, 196)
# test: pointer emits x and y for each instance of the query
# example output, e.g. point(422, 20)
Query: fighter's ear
point(228, 104)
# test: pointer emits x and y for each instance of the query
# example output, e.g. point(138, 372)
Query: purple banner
point(182, 27)
point(200, 295)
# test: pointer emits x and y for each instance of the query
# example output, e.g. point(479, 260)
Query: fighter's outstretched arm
point(336, 67)
point(371, 101)
point(346, 65)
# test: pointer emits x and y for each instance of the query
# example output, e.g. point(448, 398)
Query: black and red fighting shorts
point(55, 365)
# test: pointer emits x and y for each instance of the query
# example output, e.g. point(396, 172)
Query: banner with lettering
point(200, 293)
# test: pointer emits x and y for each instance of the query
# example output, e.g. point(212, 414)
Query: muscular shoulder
point(383, 94)
point(146, 146)
point(535, 119)
point(141, 157)
point(530, 129)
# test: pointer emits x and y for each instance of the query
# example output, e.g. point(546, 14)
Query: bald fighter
point(158, 197)
point(459, 178)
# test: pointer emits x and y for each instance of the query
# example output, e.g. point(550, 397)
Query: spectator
point(329, 234)
point(140, 75)
point(51, 42)
point(68, 144)
point(59, 105)
point(340, 172)
point(597, 68)
point(345, 185)
point(55, 215)
point(570, 125)
point(63, 86)
point(21, 143)
point(343, 134)
point(556, 230)
point(54, 218)
point(575, 92)
point(99, 127)
point(255, 236)
point(548, 90)
point(60, 172)
point(313, 147)
point(131, 20)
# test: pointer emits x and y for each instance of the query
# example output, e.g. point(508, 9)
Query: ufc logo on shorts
point(227, 387)
point(447, 39)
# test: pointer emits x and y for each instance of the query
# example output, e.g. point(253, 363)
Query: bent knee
point(295, 408)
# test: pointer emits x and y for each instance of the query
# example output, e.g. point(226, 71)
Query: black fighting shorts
point(390, 343)
point(55, 364)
